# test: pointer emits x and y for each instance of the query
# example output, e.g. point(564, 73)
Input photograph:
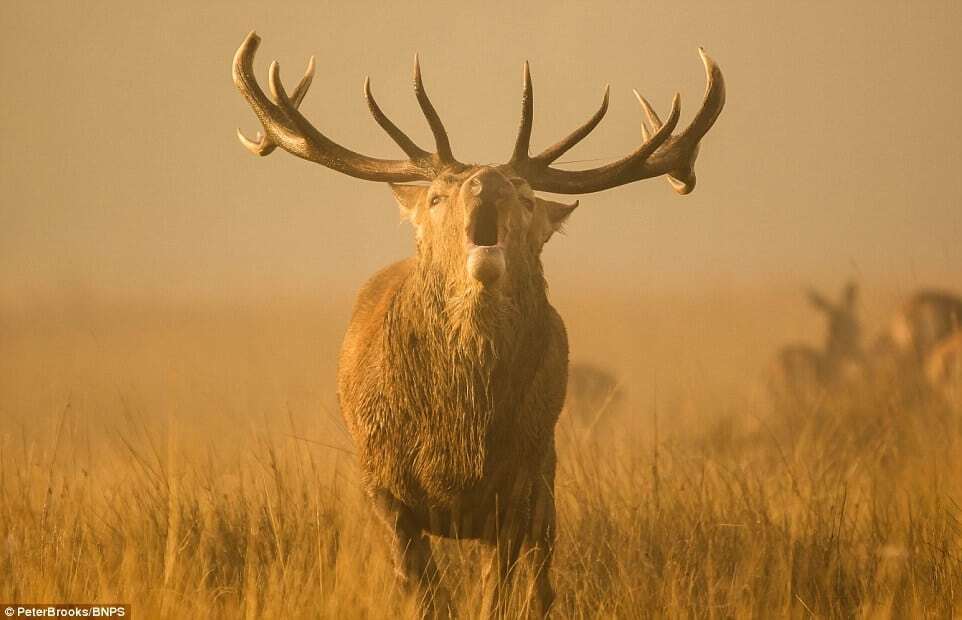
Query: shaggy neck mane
point(472, 353)
point(464, 316)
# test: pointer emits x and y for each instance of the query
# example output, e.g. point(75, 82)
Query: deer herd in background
point(920, 348)
point(918, 351)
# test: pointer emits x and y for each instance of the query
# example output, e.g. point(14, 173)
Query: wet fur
point(439, 390)
point(451, 392)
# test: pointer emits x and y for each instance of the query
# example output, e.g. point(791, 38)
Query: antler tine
point(713, 103)
point(818, 300)
point(683, 179)
point(682, 187)
point(561, 147)
point(520, 158)
point(660, 154)
point(441, 141)
point(243, 74)
point(645, 134)
point(650, 113)
point(262, 145)
point(523, 141)
point(546, 178)
point(285, 126)
point(661, 133)
point(407, 144)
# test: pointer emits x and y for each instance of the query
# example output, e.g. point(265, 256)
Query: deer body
point(922, 322)
point(943, 369)
point(453, 371)
point(594, 399)
point(441, 412)
point(452, 376)
point(454, 423)
point(801, 373)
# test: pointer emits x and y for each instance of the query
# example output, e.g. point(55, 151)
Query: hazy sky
point(838, 152)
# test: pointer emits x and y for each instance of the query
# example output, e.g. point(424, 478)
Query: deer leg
point(503, 537)
point(540, 543)
point(498, 558)
point(414, 565)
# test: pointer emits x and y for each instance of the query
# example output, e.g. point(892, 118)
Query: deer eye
point(527, 202)
point(435, 201)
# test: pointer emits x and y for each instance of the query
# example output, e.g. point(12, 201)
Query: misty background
point(837, 156)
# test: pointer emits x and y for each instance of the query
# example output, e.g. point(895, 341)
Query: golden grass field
point(189, 460)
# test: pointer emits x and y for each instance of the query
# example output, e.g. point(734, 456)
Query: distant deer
point(594, 396)
point(453, 370)
point(920, 324)
point(943, 368)
point(801, 372)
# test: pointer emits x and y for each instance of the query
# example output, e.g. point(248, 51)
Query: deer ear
point(408, 198)
point(557, 213)
point(815, 298)
point(850, 295)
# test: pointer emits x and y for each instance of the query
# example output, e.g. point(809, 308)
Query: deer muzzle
point(482, 195)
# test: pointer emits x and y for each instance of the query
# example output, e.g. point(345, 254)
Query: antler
point(286, 127)
point(661, 153)
point(261, 144)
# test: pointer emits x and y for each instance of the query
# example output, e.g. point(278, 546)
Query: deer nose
point(487, 185)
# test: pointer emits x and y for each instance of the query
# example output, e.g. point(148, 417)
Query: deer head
point(844, 332)
point(478, 221)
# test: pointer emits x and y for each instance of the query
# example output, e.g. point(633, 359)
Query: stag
point(594, 396)
point(801, 372)
point(919, 325)
point(453, 370)
point(943, 369)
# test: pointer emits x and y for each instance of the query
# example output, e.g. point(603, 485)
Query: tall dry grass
point(178, 463)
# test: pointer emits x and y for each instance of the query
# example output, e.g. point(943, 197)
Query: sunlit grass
point(191, 491)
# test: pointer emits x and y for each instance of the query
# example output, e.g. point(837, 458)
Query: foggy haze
point(837, 154)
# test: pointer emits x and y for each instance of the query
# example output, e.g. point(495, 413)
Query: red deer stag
point(595, 396)
point(925, 320)
point(943, 369)
point(802, 373)
point(452, 373)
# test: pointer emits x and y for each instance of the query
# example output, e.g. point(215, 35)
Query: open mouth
point(483, 226)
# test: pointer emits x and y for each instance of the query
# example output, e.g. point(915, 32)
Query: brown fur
point(451, 389)
point(943, 369)
point(595, 398)
point(924, 321)
point(801, 374)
